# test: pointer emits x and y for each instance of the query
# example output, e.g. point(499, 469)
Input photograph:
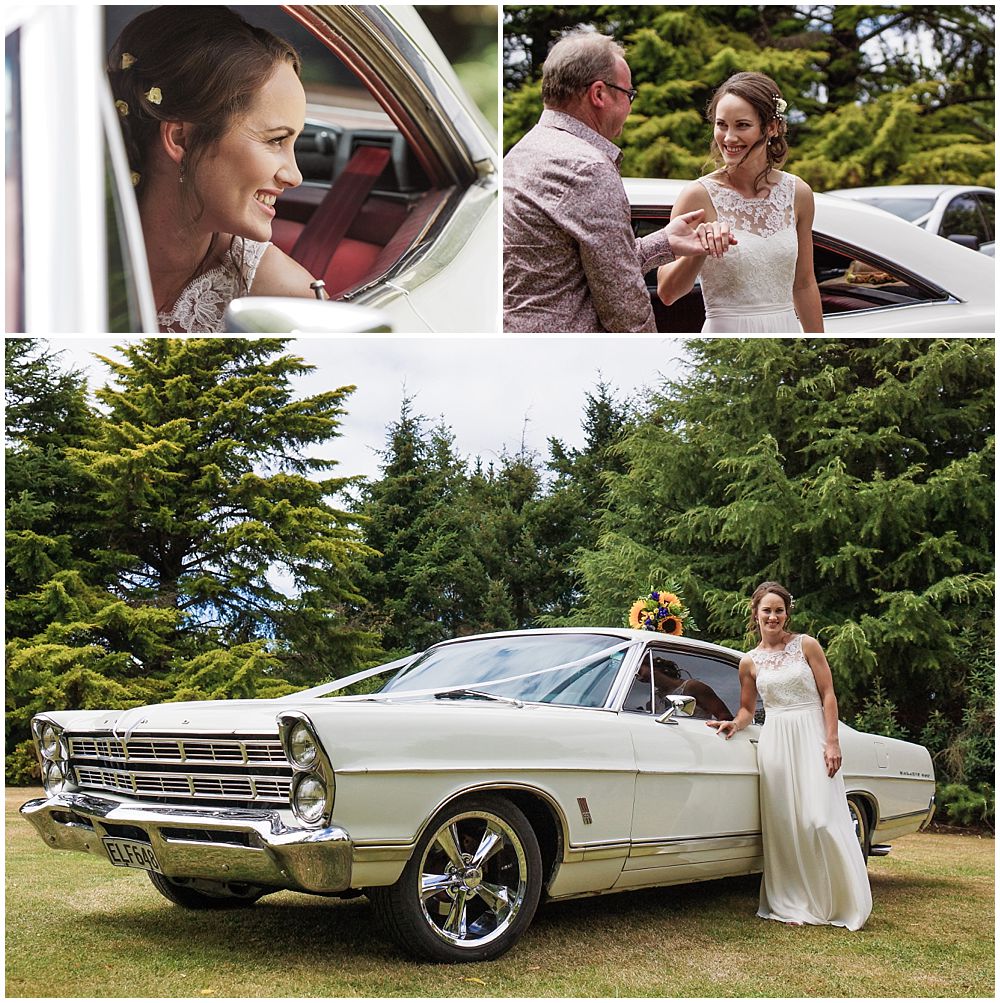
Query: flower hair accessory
point(127, 60)
point(662, 611)
point(780, 105)
point(153, 95)
point(122, 108)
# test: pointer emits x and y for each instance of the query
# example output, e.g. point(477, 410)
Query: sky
point(492, 392)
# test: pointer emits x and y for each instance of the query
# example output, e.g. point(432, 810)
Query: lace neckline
point(778, 651)
point(748, 198)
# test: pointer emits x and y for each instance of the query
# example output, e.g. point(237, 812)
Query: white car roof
point(942, 263)
point(907, 191)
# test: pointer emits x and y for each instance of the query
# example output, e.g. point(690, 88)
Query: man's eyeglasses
point(629, 91)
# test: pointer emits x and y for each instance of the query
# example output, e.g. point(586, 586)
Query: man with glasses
point(571, 262)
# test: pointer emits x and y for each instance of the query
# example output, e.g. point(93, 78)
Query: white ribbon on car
point(338, 684)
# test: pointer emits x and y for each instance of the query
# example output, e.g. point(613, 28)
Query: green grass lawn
point(77, 926)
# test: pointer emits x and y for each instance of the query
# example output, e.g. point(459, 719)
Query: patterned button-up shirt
point(570, 259)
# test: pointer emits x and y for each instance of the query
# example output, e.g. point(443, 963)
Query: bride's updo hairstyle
point(762, 590)
point(762, 93)
point(202, 65)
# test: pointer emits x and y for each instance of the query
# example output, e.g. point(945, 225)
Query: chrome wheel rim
point(473, 879)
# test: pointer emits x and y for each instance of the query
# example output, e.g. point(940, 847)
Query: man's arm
point(595, 213)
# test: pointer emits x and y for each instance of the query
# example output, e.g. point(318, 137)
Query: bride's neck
point(175, 246)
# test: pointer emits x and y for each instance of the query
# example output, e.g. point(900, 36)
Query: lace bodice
point(203, 301)
point(784, 678)
point(758, 272)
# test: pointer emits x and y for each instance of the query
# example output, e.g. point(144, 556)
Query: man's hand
point(690, 235)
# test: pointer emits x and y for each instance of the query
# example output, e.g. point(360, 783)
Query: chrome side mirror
point(300, 315)
point(680, 706)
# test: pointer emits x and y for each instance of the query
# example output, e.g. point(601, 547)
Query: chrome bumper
point(252, 846)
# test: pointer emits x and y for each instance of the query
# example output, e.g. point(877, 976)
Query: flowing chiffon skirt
point(814, 870)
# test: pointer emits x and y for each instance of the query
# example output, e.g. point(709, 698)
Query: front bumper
point(227, 844)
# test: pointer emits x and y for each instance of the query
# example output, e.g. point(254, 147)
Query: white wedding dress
point(202, 303)
point(749, 289)
point(814, 871)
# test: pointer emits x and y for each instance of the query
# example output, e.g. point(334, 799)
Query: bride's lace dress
point(814, 871)
point(200, 307)
point(749, 289)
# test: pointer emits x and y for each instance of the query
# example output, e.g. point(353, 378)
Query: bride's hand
point(688, 235)
point(715, 237)
point(725, 728)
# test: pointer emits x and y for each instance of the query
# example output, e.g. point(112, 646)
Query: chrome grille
point(239, 772)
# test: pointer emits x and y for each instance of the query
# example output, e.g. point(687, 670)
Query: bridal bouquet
point(661, 611)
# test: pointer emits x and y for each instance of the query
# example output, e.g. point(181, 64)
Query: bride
point(765, 283)
point(209, 108)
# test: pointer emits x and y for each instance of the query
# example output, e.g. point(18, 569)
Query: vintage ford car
point(488, 772)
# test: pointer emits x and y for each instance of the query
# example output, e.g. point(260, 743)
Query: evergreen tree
point(48, 525)
point(424, 581)
point(863, 109)
point(566, 518)
point(199, 495)
point(859, 473)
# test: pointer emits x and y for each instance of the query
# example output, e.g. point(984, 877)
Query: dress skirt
point(814, 870)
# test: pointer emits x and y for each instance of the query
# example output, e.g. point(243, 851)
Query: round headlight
point(309, 798)
point(55, 777)
point(49, 741)
point(301, 745)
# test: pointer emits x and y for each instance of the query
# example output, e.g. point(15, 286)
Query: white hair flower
point(153, 95)
point(780, 105)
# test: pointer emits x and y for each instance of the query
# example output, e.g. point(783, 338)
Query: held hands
point(832, 757)
point(690, 235)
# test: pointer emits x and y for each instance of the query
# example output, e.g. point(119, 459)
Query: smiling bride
point(766, 282)
point(209, 107)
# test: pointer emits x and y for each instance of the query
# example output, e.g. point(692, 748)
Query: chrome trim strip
point(906, 814)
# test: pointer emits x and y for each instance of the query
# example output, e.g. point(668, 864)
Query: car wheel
point(859, 816)
point(196, 893)
point(471, 887)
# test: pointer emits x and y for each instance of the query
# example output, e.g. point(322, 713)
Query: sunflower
point(635, 616)
point(671, 625)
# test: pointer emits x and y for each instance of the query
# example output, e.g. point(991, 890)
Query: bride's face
point(737, 129)
point(254, 162)
point(771, 616)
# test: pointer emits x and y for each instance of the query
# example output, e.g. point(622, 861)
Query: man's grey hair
point(579, 58)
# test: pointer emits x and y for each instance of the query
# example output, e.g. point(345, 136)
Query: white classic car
point(877, 273)
point(412, 250)
point(488, 772)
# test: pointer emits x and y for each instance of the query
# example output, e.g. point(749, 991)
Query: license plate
point(131, 853)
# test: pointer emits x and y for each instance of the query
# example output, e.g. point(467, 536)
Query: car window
point(849, 279)
point(714, 684)
point(14, 240)
point(909, 209)
point(963, 217)
point(987, 208)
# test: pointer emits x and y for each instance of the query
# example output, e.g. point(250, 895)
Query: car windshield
point(538, 668)
point(910, 209)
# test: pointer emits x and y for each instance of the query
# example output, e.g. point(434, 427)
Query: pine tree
point(859, 473)
point(214, 565)
point(424, 582)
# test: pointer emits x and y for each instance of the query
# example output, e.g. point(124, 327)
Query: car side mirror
point(680, 706)
point(966, 240)
point(301, 315)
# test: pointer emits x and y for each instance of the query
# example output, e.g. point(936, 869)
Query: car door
point(696, 812)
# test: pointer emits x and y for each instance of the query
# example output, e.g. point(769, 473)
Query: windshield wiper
point(482, 694)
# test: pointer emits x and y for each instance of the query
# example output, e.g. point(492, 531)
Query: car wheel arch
point(539, 807)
